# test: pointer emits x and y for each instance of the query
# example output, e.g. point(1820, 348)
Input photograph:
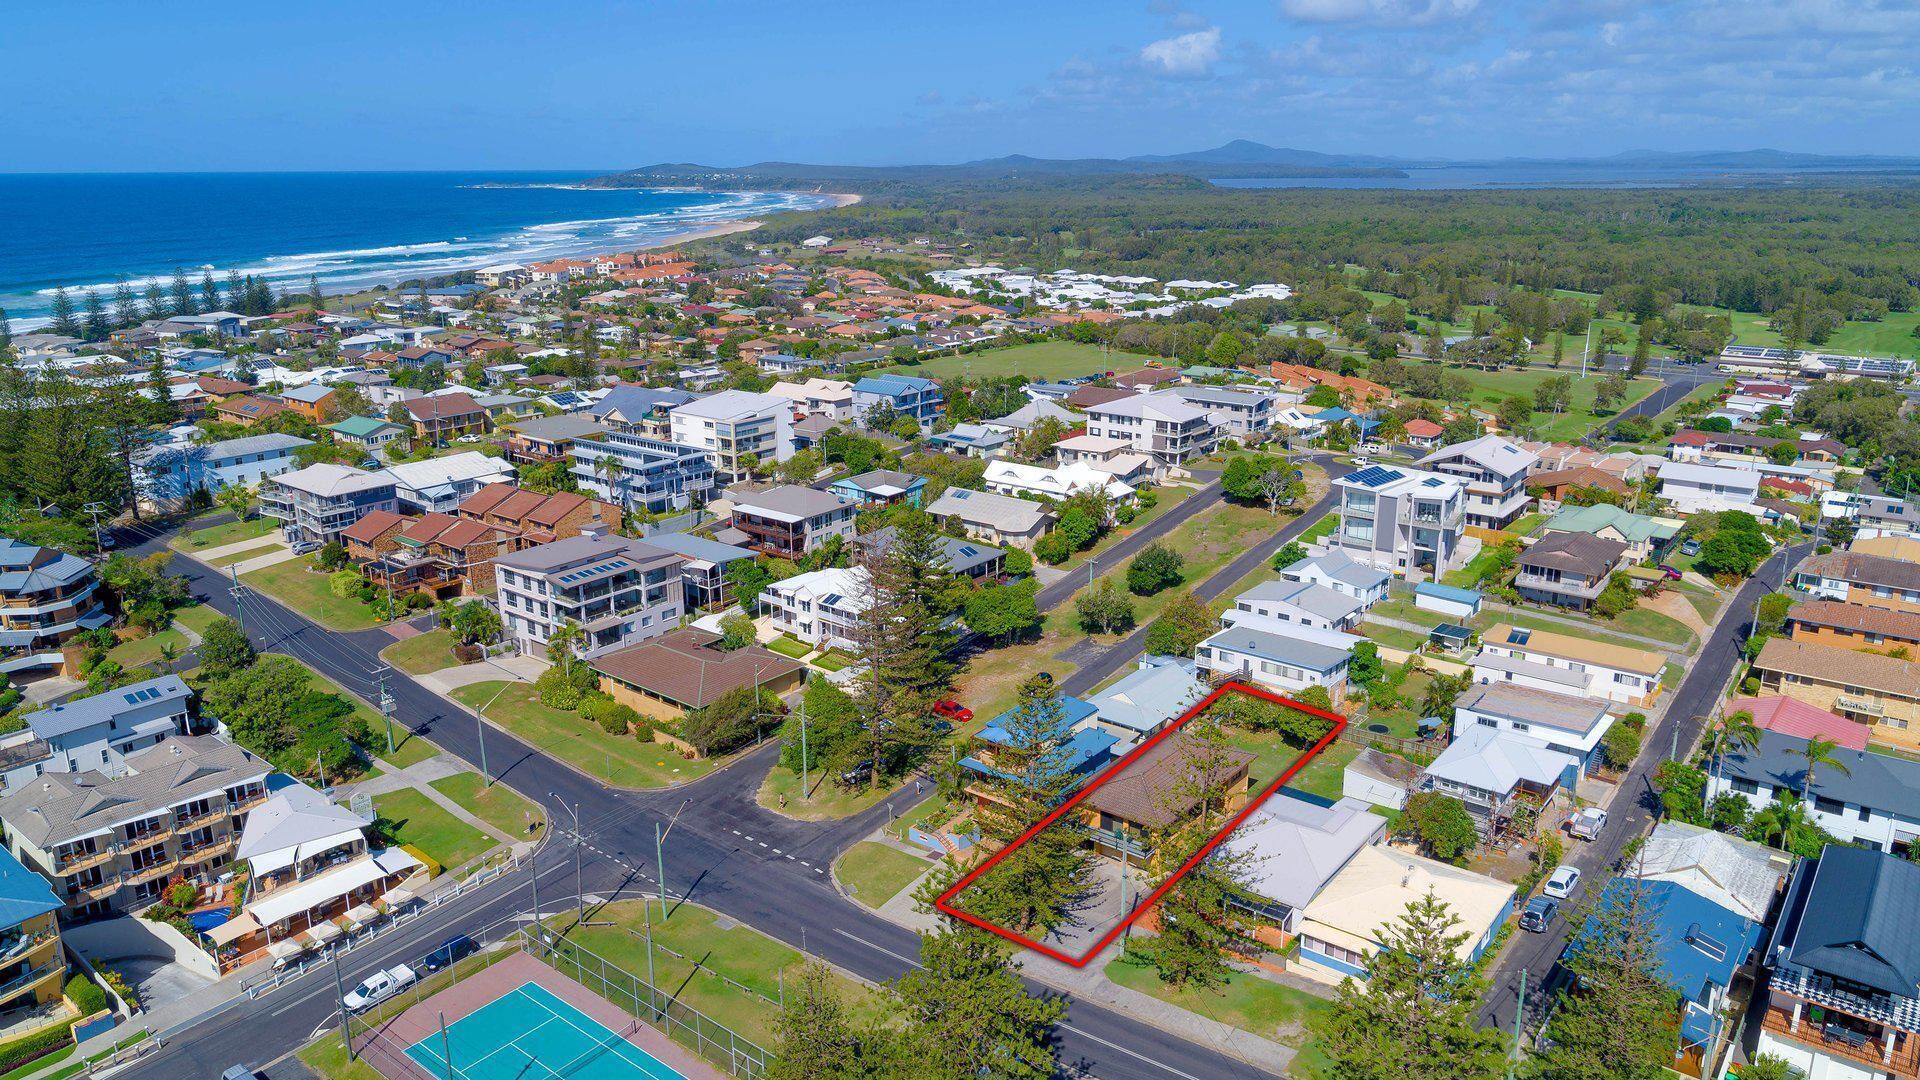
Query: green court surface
point(531, 1034)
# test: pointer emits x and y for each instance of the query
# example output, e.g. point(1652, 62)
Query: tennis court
point(531, 1034)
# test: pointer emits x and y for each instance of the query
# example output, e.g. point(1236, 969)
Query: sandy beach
point(728, 228)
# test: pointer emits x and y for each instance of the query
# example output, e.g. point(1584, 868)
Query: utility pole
point(480, 732)
point(234, 590)
point(578, 888)
point(346, 1018)
point(386, 707)
point(660, 864)
point(806, 792)
point(95, 509)
point(1519, 1020)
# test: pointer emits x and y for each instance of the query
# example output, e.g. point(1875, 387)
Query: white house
point(821, 608)
point(1568, 665)
point(1495, 471)
point(1013, 478)
point(1571, 725)
point(736, 429)
point(1404, 521)
point(438, 485)
point(1283, 657)
point(1303, 603)
point(1344, 574)
point(1695, 489)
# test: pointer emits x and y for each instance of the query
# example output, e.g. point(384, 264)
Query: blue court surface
point(531, 1034)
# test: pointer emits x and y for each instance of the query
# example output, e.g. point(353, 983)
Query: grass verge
point(875, 873)
point(619, 760)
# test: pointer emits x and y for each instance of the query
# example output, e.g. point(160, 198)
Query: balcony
point(28, 978)
point(1844, 1037)
point(100, 890)
point(183, 820)
point(16, 945)
point(1582, 589)
point(191, 853)
point(74, 863)
point(150, 872)
point(143, 838)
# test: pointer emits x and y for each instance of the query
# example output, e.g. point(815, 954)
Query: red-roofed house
point(1801, 720)
point(1424, 434)
point(439, 555)
point(445, 417)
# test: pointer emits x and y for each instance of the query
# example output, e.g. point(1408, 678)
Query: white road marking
point(1137, 1055)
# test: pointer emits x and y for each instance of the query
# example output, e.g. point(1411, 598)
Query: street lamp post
point(579, 888)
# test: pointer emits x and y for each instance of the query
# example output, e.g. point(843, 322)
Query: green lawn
point(875, 873)
point(832, 660)
point(254, 552)
point(1274, 755)
point(787, 645)
point(737, 953)
point(294, 584)
point(1041, 361)
point(327, 1057)
point(828, 799)
point(1166, 499)
point(619, 760)
point(139, 652)
point(1648, 623)
point(421, 822)
point(422, 653)
point(231, 533)
point(1321, 529)
point(1325, 775)
point(1490, 388)
point(497, 805)
point(1393, 637)
point(1474, 573)
point(196, 617)
point(1260, 1006)
point(1526, 524)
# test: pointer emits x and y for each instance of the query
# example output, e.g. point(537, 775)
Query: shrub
point(418, 601)
point(86, 997)
point(556, 691)
point(613, 717)
point(1441, 825)
point(469, 654)
point(183, 895)
point(643, 729)
point(345, 583)
point(367, 594)
point(35, 1046)
point(1052, 549)
point(1621, 745)
point(1155, 568)
point(1148, 499)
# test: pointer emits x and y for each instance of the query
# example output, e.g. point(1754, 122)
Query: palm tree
point(1736, 731)
point(169, 652)
point(1779, 822)
point(610, 467)
point(1818, 752)
point(560, 643)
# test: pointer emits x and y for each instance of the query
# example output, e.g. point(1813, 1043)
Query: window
point(1745, 786)
point(1828, 806)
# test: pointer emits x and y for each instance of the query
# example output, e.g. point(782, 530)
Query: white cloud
point(1185, 56)
point(1403, 12)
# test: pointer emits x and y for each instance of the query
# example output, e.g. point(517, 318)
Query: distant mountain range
point(1241, 158)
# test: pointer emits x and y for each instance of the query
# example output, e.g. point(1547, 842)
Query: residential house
point(1873, 516)
point(1853, 626)
point(373, 535)
point(1777, 712)
point(703, 567)
point(439, 419)
point(1033, 414)
point(617, 591)
point(33, 963)
point(640, 410)
point(113, 842)
point(1293, 847)
point(46, 597)
point(1163, 427)
point(1875, 803)
point(1158, 691)
point(545, 440)
point(666, 677)
point(901, 395)
point(1014, 478)
point(95, 732)
point(831, 398)
point(1347, 918)
point(788, 521)
point(880, 487)
point(438, 555)
point(1841, 995)
point(169, 474)
point(309, 862)
point(1503, 778)
point(1158, 789)
point(1283, 657)
point(246, 411)
point(971, 440)
point(1078, 748)
point(1574, 726)
point(1147, 380)
point(737, 430)
point(1568, 665)
point(1358, 392)
point(960, 557)
point(1495, 471)
point(439, 485)
point(369, 433)
point(316, 504)
point(311, 401)
point(1568, 569)
point(1344, 574)
point(1853, 577)
point(1241, 414)
point(640, 473)
point(997, 519)
point(1880, 692)
point(1694, 489)
point(1560, 485)
point(530, 517)
point(1645, 537)
point(821, 608)
point(1302, 602)
point(1424, 434)
point(415, 357)
point(1404, 521)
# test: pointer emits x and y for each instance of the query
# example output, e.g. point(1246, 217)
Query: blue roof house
point(1085, 747)
point(907, 395)
point(33, 967)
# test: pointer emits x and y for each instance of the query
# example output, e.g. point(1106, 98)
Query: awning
point(291, 900)
point(323, 932)
point(268, 861)
point(310, 848)
point(287, 949)
point(234, 929)
point(397, 898)
point(361, 914)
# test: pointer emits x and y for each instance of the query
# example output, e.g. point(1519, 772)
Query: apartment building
point(1695, 489)
point(1405, 521)
point(821, 608)
point(1875, 803)
point(831, 398)
point(544, 440)
point(904, 395)
point(640, 473)
point(439, 485)
point(1241, 414)
point(1881, 692)
point(33, 963)
point(737, 430)
point(96, 732)
point(1495, 471)
point(788, 521)
point(46, 597)
point(316, 504)
point(438, 555)
point(1853, 577)
point(1164, 427)
point(618, 591)
point(640, 410)
point(531, 517)
point(703, 567)
point(1568, 665)
point(1568, 569)
point(112, 843)
point(169, 474)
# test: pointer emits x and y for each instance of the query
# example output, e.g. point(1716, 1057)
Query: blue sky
point(584, 84)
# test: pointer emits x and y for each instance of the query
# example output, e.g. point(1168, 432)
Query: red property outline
point(943, 902)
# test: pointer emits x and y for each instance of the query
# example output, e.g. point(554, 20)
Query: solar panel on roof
point(1518, 637)
point(1433, 481)
point(1375, 475)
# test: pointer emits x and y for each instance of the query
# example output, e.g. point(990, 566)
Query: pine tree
point(126, 309)
point(904, 639)
point(313, 290)
point(96, 324)
point(1039, 883)
point(162, 410)
point(236, 292)
point(63, 456)
point(816, 1039)
point(209, 292)
point(1413, 1018)
point(64, 321)
point(969, 1016)
point(1617, 1017)
point(6, 329)
point(156, 301)
point(121, 417)
point(181, 293)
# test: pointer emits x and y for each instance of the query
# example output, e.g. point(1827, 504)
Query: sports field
point(1041, 361)
point(531, 1034)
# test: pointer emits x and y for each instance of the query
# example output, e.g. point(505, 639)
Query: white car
point(1587, 824)
point(469, 439)
point(378, 987)
point(1562, 883)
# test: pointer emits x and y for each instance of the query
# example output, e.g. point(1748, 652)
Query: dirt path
point(1676, 606)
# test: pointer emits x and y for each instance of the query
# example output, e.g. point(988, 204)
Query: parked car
point(378, 987)
point(954, 711)
point(450, 952)
point(859, 774)
point(370, 464)
point(1539, 914)
point(1586, 824)
point(1691, 547)
point(304, 547)
point(469, 439)
point(1669, 572)
point(241, 1072)
point(1562, 883)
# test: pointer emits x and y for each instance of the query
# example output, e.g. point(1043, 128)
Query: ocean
point(352, 229)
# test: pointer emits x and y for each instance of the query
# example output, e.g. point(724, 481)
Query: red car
point(1669, 572)
point(954, 711)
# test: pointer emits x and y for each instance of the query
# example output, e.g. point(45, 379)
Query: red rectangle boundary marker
point(944, 901)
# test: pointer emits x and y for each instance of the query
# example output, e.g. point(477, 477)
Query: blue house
point(908, 395)
point(1087, 748)
point(167, 475)
point(881, 487)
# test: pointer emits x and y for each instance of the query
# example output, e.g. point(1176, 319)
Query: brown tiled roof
point(213, 385)
point(1145, 791)
point(1578, 476)
point(518, 504)
point(427, 528)
point(1582, 553)
point(484, 500)
point(441, 407)
point(684, 667)
point(1866, 569)
point(554, 507)
point(1858, 618)
point(1089, 396)
point(372, 526)
point(257, 408)
point(1841, 667)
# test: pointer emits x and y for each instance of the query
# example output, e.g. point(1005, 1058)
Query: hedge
point(86, 996)
point(38, 1045)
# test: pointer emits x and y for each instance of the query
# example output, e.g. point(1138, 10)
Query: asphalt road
point(1636, 807)
point(1061, 591)
point(722, 851)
